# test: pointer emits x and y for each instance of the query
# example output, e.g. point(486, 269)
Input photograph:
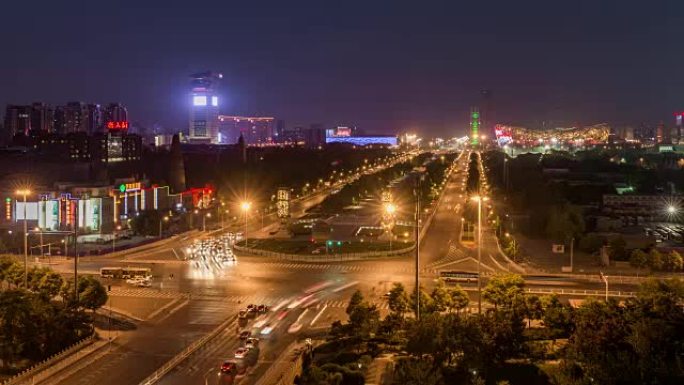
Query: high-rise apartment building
point(75, 117)
point(17, 121)
point(254, 129)
point(204, 109)
point(94, 122)
point(115, 112)
point(42, 118)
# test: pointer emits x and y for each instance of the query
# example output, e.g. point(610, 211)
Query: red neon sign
point(117, 125)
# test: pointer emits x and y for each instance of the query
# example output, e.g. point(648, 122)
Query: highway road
point(210, 293)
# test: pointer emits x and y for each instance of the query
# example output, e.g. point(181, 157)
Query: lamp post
point(479, 200)
point(116, 230)
point(245, 206)
point(162, 220)
point(390, 209)
point(24, 193)
point(604, 278)
point(204, 221)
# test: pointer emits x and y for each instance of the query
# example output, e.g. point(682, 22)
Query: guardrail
point(50, 365)
point(180, 357)
point(598, 293)
point(324, 258)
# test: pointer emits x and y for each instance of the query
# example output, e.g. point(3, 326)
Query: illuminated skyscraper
point(204, 108)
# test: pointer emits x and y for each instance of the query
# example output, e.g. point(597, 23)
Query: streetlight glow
point(390, 208)
point(671, 209)
point(245, 206)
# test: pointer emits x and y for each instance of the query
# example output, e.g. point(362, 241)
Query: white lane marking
point(350, 284)
point(313, 321)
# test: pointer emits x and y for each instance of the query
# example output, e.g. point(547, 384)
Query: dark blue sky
point(382, 65)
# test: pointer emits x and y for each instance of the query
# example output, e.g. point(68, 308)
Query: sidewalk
point(379, 372)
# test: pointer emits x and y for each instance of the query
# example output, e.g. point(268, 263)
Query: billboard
point(31, 211)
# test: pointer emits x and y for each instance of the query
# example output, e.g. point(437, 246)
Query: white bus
point(125, 272)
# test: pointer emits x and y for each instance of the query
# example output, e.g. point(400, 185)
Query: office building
point(204, 108)
point(94, 120)
point(254, 129)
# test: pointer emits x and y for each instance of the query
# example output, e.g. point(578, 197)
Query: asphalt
point(207, 294)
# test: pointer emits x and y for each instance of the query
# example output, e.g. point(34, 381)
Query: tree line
point(44, 317)
point(519, 339)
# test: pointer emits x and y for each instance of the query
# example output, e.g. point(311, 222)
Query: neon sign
point(127, 187)
point(122, 125)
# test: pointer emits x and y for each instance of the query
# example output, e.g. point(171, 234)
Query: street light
point(165, 219)
point(390, 210)
point(245, 206)
point(479, 200)
point(671, 209)
point(204, 221)
point(118, 228)
point(24, 193)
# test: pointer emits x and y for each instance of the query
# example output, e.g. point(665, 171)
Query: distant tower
point(662, 134)
point(243, 148)
point(474, 126)
point(177, 167)
point(204, 109)
point(679, 116)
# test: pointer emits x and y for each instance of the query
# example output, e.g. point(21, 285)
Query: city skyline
point(385, 68)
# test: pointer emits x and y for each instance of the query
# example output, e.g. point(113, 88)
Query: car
point(262, 308)
point(252, 342)
point(242, 314)
point(240, 353)
point(387, 295)
point(143, 284)
point(251, 313)
point(251, 306)
point(229, 367)
point(245, 334)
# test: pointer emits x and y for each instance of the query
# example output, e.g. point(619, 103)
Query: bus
point(125, 272)
point(458, 276)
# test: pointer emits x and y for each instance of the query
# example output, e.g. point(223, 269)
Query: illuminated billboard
point(363, 140)
point(31, 211)
point(214, 101)
point(199, 100)
point(123, 125)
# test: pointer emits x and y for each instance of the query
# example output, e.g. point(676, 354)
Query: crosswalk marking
point(146, 293)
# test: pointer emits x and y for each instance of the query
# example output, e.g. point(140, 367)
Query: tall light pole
point(24, 193)
point(390, 209)
point(116, 230)
point(165, 219)
point(417, 245)
point(204, 221)
point(245, 206)
point(479, 200)
point(604, 278)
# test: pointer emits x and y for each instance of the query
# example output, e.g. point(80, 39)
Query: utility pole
point(572, 244)
point(479, 255)
point(417, 244)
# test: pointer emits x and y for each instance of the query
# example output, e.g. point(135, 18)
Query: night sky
point(385, 66)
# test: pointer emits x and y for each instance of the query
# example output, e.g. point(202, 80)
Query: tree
point(459, 298)
point(424, 336)
point(557, 316)
point(503, 289)
point(91, 294)
point(672, 261)
point(15, 322)
point(638, 258)
point(398, 299)
point(618, 250)
point(416, 371)
point(441, 300)
point(534, 309)
point(655, 259)
point(50, 284)
point(355, 301)
point(564, 222)
point(425, 300)
point(591, 243)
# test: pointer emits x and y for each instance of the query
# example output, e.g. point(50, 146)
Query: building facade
point(204, 108)
point(254, 129)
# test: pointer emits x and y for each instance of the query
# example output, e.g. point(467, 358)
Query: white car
point(241, 353)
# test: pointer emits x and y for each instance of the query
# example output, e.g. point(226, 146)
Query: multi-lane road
point(204, 294)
